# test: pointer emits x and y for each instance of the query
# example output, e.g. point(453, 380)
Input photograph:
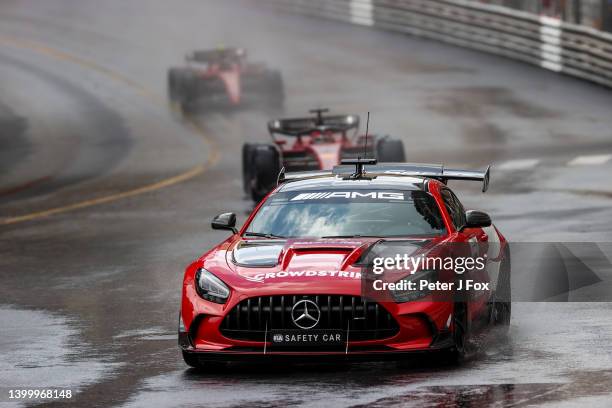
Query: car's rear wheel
point(172, 84)
point(187, 104)
point(461, 333)
point(173, 89)
point(262, 166)
point(247, 154)
point(185, 90)
point(501, 308)
point(390, 150)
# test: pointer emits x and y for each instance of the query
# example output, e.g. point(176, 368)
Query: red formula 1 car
point(312, 143)
point(292, 284)
point(222, 77)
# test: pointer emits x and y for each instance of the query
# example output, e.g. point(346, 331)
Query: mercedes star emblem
point(305, 314)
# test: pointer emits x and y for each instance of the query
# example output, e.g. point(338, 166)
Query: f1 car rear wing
point(216, 55)
point(368, 168)
point(302, 126)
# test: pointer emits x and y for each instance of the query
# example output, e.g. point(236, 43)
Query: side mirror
point(477, 219)
point(225, 221)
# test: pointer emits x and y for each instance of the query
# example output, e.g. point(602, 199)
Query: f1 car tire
point(184, 89)
point(173, 89)
point(390, 150)
point(264, 167)
point(247, 154)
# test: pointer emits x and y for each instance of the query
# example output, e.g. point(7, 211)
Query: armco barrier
point(549, 43)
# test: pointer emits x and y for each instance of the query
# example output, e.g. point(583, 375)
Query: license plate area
point(307, 338)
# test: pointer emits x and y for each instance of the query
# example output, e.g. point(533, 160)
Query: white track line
point(591, 160)
point(520, 164)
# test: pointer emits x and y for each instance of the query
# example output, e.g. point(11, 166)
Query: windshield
point(379, 213)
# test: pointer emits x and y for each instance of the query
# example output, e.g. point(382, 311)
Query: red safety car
point(310, 143)
point(223, 78)
point(296, 282)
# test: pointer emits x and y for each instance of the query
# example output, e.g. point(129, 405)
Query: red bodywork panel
point(231, 77)
point(323, 147)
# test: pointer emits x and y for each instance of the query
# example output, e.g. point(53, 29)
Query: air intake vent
point(368, 320)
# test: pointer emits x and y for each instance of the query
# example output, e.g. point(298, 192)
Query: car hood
point(299, 261)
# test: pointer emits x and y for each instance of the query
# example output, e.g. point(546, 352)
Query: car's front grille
point(364, 320)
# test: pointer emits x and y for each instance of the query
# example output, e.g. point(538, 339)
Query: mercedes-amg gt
point(296, 282)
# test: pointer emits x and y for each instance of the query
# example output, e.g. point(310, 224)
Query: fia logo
point(278, 338)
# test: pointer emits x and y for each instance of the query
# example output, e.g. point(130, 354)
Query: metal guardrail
point(549, 43)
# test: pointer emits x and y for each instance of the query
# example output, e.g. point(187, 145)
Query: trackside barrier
point(558, 46)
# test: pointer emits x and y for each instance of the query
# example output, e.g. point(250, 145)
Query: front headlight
point(210, 287)
point(405, 295)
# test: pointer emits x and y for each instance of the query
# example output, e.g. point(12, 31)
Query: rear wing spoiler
point(433, 171)
point(215, 55)
point(302, 126)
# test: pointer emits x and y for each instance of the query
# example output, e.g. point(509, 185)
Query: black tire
point(501, 308)
point(173, 90)
point(390, 150)
point(265, 166)
point(461, 334)
point(187, 105)
point(247, 155)
point(185, 90)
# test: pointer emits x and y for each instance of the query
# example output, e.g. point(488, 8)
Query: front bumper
point(380, 354)
point(423, 327)
point(206, 343)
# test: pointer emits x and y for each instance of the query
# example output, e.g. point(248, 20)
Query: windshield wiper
point(353, 236)
point(260, 234)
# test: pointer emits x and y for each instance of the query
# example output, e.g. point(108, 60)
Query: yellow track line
point(212, 159)
point(106, 199)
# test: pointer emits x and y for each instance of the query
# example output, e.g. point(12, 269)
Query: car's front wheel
point(171, 85)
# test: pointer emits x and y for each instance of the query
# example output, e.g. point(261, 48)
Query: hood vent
point(258, 254)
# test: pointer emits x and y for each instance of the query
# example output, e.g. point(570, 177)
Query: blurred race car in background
point(312, 143)
point(223, 78)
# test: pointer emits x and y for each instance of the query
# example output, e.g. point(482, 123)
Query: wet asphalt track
point(89, 295)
